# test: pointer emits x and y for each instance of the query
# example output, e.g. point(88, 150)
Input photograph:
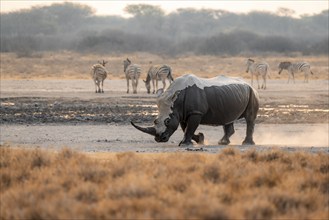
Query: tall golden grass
point(38, 184)
point(71, 65)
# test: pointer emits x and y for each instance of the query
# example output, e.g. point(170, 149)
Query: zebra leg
point(127, 85)
point(102, 86)
point(99, 86)
point(306, 74)
point(252, 79)
point(292, 75)
point(264, 82)
point(257, 81)
point(156, 84)
point(95, 86)
point(134, 82)
point(164, 84)
point(289, 76)
point(228, 132)
point(153, 86)
point(98, 90)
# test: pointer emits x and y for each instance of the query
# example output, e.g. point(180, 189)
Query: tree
point(144, 10)
point(286, 12)
point(147, 19)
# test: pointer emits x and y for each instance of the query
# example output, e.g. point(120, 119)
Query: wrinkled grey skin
point(215, 105)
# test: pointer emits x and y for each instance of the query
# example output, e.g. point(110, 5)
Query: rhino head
point(166, 122)
point(163, 128)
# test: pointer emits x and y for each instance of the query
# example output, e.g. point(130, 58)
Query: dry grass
point(37, 184)
point(70, 65)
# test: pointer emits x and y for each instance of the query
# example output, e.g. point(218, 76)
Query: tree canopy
point(74, 26)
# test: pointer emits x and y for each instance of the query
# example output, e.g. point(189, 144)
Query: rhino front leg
point(198, 138)
point(228, 132)
point(192, 124)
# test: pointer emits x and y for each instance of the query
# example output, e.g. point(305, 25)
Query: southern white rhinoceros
point(190, 101)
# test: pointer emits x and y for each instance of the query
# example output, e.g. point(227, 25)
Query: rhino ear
point(159, 92)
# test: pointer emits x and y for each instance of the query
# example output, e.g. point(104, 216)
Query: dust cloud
point(294, 135)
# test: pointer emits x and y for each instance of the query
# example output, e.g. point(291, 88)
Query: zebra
point(133, 72)
point(155, 73)
point(293, 68)
point(258, 69)
point(99, 74)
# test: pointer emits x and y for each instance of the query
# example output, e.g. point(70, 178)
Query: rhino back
point(225, 103)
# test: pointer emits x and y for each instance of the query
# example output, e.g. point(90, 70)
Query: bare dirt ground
point(67, 113)
point(70, 65)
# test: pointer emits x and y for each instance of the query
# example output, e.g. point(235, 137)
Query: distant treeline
point(72, 26)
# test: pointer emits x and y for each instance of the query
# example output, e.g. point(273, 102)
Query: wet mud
point(140, 109)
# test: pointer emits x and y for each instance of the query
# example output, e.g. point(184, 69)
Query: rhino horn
point(148, 130)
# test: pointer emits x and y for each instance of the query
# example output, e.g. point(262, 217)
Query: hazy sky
point(116, 7)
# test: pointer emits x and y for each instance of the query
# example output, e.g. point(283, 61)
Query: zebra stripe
point(258, 69)
point(99, 74)
point(132, 72)
point(293, 68)
point(155, 73)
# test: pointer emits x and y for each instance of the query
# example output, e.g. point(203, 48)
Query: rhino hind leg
point(228, 132)
point(250, 130)
point(250, 116)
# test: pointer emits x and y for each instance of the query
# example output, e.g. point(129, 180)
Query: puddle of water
point(285, 109)
point(143, 106)
point(293, 106)
point(7, 103)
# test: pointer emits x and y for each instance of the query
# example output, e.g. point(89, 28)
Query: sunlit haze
point(117, 7)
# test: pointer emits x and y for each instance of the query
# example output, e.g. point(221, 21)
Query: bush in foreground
point(38, 184)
